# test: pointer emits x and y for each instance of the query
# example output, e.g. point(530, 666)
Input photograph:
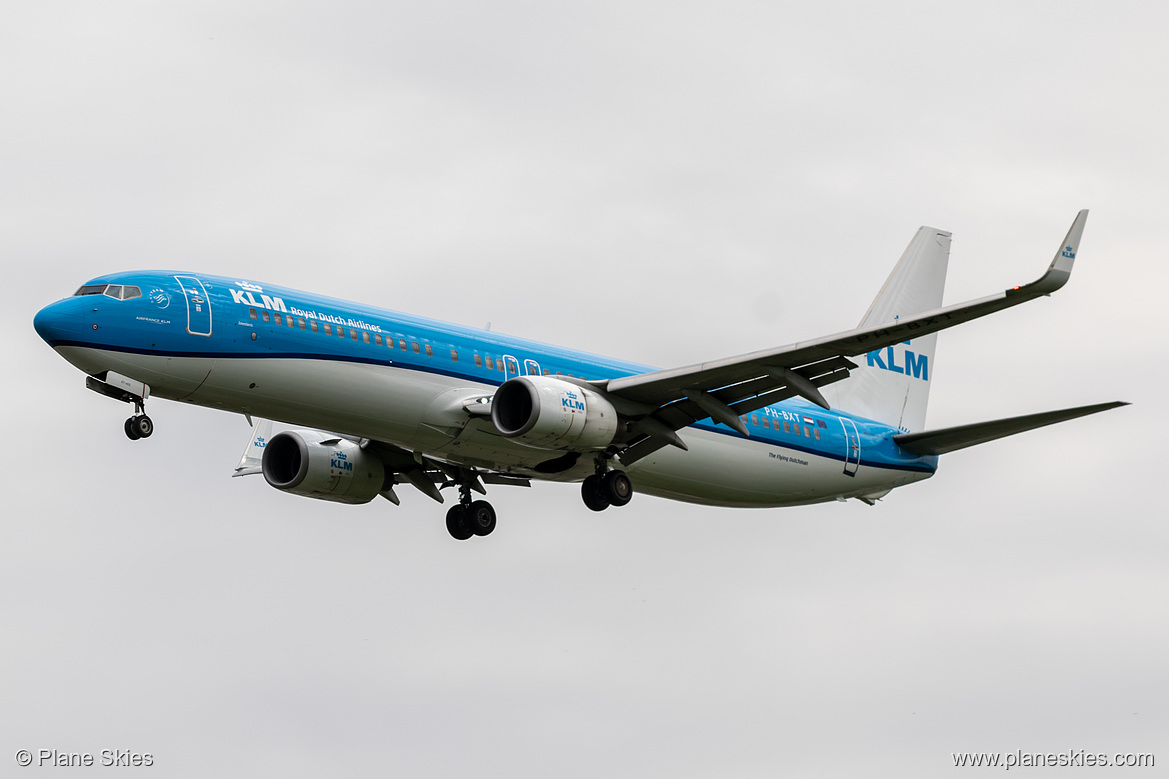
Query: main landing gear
point(606, 488)
point(469, 518)
point(139, 425)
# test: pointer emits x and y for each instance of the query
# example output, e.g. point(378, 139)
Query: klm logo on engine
point(570, 401)
point(915, 365)
point(339, 462)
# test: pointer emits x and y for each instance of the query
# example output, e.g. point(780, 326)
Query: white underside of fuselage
point(424, 412)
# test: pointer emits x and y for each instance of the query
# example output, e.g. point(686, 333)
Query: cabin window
point(290, 320)
point(415, 346)
point(365, 336)
point(276, 318)
point(328, 328)
point(252, 314)
point(429, 351)
point(547, 372)
point(454, 355)
point(755, 420)
point(766, 423)
point(300, 323)
point(264, 316)
point(312, 325)
point(377, 340)
point(340, 331)
point(786, 427)
point(478, 361)
point(490, 363)
point(499, 365)
point(807, 432)
point(816, 433)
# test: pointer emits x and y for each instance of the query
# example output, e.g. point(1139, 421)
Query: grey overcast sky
point(660, 181)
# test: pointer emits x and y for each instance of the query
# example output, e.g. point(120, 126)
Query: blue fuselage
point(305, 359)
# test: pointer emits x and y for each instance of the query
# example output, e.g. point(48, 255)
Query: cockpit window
point(115, 291)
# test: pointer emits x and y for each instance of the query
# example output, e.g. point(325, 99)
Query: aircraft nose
point(56, 322)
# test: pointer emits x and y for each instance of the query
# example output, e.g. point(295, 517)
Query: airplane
point(378, 398)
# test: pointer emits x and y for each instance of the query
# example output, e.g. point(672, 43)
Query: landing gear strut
point(606, 488)
point(469, 518)
point(139, 425)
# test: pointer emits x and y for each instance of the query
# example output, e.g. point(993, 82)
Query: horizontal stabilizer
point(953, 438)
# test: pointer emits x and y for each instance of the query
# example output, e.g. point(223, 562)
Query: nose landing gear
point(139, 426)
point(127, 390)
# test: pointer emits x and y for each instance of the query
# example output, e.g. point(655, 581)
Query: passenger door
point(511, 367)
point(198, 305)
point(852, 447)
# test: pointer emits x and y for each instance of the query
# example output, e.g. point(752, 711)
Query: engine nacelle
point(548, 413)
point(301, 462)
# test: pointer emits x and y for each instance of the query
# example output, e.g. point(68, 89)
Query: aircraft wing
point(428, 475)
point(661, 402)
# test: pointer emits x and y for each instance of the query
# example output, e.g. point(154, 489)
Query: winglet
point(1060, 269)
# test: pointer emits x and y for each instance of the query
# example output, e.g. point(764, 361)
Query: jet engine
point(547, 413)
point(316, 465)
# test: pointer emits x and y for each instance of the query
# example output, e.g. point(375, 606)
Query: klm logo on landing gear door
point(198, 306)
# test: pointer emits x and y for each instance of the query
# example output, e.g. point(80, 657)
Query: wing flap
point(757, 394)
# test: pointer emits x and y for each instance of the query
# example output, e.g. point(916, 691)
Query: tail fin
point(892, 385)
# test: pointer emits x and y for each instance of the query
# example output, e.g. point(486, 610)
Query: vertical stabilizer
point(892, 384)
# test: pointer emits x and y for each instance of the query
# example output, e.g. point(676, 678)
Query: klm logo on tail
point(917, 366)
